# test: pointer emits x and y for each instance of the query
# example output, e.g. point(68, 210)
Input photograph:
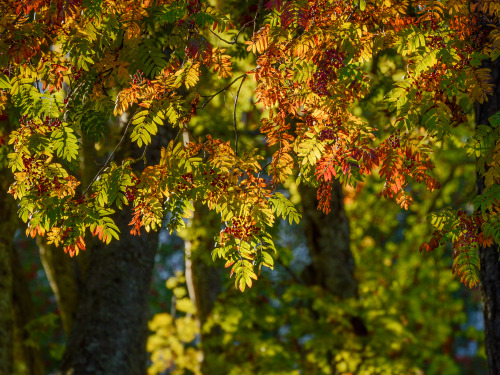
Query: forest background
point(108, 105)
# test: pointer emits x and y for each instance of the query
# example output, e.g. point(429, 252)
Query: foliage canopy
point(69, 68)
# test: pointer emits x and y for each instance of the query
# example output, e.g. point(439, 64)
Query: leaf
point(4, 82)
point(281, 206)
point(65, 142)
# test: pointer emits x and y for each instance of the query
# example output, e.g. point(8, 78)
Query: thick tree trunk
point(27, 358)
point(332, 263)
point(7, 228)
point(490, 289)
point(8, 225)
point(16, 305)
point(110, 330)
point(489, 257)
point(203, 278)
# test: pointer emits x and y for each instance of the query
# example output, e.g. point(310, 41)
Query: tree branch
point(110, 156)
point(210, 97)
point(235, 40)
point(235, 125)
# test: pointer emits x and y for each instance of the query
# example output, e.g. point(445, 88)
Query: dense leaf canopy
point(71, 69)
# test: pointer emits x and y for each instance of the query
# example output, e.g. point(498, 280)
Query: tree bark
point(489, 273)
point(110, 330)
point(27, 358)
point(7, 229)
point(328, 241)
point(16, 304)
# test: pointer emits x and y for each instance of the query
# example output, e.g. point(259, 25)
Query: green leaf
point(65, 142)
point(4, 82)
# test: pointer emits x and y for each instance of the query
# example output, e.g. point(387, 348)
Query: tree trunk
point(61, 271)
point(16, 305)
point(110, 330)
point(7, 228)
point(203, 278)
point(327, 235)
point(27, 358)
point(489, 257)
point(328, 242)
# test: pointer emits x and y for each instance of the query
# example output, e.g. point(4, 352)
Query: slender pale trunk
point(61, 271)
point(203, 278)
point(66, 274)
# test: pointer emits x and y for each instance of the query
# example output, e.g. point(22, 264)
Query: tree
point(203, 278)
point(489, 254)
point(311, 69)
point(6, 281)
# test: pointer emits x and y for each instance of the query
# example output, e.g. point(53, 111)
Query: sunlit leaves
point(281, 206)
point(478, 82)
point(466, 264)
point(315, 65)
point(308, 149)
point(145, 125)
point(131, 20)
point(189, 75)
point(221, 63)
point(105, 229)
point(112, 186)
point(4, 82)
point(65, 142)
point(259, 42)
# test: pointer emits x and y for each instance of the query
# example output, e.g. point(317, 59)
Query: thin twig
point(210, 97)
point(264, 167)
point(110, 156)
point(234, 117)
point(259, 7)
point(142, 157)
point(235, 40)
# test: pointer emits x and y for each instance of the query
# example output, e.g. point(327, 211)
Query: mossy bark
point(109, 332)
point(110, 329)
point(7, 228)
point(328, 242)
point(27, 358)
